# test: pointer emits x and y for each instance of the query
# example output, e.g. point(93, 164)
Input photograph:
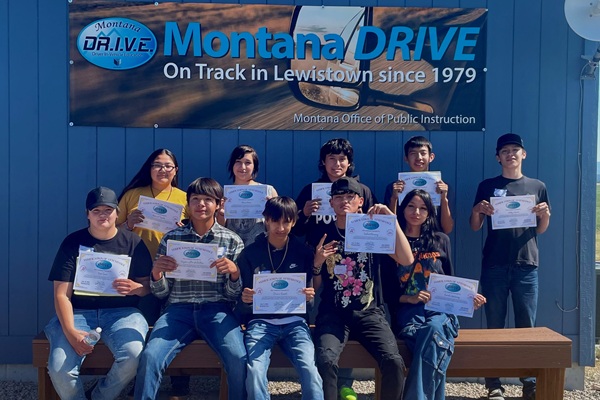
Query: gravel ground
point(206, 388)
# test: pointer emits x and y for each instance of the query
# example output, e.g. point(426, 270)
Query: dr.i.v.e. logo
point(117, 43)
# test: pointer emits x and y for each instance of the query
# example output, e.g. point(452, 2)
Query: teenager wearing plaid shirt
point(197, 309)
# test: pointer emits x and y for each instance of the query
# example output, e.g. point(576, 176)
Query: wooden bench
point(538, 352)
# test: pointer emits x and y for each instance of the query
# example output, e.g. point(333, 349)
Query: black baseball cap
point(101, 196)
point(509, 138)
point(344, 185)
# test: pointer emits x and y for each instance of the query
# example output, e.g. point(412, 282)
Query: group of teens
point(351, 287)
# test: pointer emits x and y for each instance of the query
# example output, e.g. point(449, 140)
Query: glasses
point(101, 213)
point(206, 200)
point(344, 198)
point(166, 167)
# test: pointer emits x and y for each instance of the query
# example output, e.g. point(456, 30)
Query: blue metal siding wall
point(49, 180)
point(4, 128)
point(532, 89)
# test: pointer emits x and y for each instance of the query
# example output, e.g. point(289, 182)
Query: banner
point(232, 66)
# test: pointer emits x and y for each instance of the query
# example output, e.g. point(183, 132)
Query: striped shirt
point(192, 291)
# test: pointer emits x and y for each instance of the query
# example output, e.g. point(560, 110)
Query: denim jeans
point(123, 331)
point(296, 342)
point(180, 325)
point(372, 330)
point(522, 283)
point(430, 337)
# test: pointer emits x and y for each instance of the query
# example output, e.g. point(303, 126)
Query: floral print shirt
point(347, 278)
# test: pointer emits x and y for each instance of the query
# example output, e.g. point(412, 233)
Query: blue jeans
point(296, 342)
point(372, 330)
point(180, 325)
point(429, 336)
point(522, 283)
point(123, 331)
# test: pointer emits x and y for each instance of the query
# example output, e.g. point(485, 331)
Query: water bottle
point(93, 336)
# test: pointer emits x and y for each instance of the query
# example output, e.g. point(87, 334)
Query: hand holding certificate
point(513, 212)
point(426, 180)
point(322, 191)
point(96, 272)
point(159, 215)
point(193, 260)
point(279, 294)
point(452, 295)
point(245, 201)
point(370, 233)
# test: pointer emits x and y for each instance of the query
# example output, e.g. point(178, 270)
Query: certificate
point(426, 181)
point(322, 191)
point(193, 260)
point(159, 215)
point(245, 201)
point(452, 295)
point(95, 273)
point(279, 294)
point(370, 235)
point(513, 212)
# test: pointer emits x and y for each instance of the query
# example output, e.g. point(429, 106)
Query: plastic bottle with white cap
point(93, 336)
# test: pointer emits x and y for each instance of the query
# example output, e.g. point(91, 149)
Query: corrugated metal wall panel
point(111, 157)
point(22, 168)
point(364, 154)
point(277, 169)
point(82, 173)
point(549, 142)
point(467, 244)
point(194, 164)
point(53, 155)
point(139, 143)
point(4, 156)
point(387, 160)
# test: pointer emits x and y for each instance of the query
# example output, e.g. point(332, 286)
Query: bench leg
point(223, 389)
point(550, 384)
point(45, 388)
point(377, 384)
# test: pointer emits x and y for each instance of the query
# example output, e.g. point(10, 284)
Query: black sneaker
point(88, 392)
point(529, 396)
point(179, 392)
point(131, 392)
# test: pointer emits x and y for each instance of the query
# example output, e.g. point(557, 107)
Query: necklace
point(338, 231)
point(154, 195)
point(284, 254)
point(415, 243)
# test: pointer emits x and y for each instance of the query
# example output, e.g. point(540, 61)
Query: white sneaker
point(496, 394)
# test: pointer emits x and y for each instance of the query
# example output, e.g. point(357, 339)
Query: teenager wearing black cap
point(510, 256)
point(351, 302)
point(123, 326)
point(336, 160)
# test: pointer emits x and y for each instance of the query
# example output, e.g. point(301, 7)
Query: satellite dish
point(583, 17)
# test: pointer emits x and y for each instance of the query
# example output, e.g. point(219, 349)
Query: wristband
point(317, 270)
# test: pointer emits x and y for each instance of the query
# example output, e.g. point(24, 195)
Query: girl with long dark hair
point(157, 178)
point(429, 334)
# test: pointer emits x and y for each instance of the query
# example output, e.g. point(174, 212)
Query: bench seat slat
point(538, 352)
